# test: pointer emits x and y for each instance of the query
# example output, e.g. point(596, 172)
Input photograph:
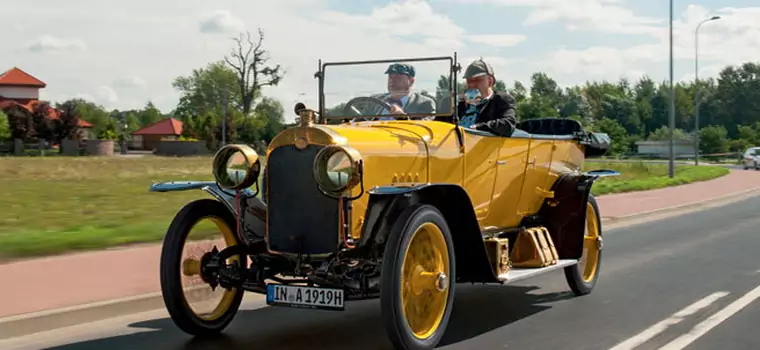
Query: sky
point(122, 54)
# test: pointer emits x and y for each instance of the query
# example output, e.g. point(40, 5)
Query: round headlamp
point(337, 168)
point(236, 167)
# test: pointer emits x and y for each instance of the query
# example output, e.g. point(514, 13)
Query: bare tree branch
point(249, 60)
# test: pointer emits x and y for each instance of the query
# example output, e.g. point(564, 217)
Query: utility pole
point(697, 96)
point(671, 162)
point(224, 116)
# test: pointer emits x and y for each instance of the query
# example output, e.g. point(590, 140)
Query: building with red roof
point(19, 89)
point(147, 137)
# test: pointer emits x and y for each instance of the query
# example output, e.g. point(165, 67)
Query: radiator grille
point(301, 218)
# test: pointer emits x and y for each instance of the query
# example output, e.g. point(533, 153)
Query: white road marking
point(103, 329)
point(712, 321)
point(661, 326)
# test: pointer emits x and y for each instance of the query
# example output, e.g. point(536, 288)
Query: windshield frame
point(454, 68)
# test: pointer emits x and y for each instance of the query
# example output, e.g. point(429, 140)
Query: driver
point(400, 95)
point(495, 112)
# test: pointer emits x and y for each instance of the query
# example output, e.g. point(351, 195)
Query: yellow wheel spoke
point(425, 281)
point(207, 304)
point(591, 244)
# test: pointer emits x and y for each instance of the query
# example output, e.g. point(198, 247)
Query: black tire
point(397, 245)
point(573, 274)
point(171, 254)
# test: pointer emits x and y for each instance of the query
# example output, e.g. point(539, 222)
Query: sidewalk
point(68, 280)
point(623, 204)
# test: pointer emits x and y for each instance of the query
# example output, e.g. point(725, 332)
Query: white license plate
point(305, 297)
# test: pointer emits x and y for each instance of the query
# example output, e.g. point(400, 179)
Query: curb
point(704, 204)
point(25, 324)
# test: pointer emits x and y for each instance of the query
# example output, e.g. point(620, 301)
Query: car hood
point(393, 151)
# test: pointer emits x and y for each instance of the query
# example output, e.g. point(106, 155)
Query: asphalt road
point(691, 281)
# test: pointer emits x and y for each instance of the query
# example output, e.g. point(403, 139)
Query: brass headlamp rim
point(320, 165)
point(219, 166)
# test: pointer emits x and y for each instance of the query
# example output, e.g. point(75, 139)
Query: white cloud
point(86, 97)
point(733, 39)
point(102, 95)
point(403, 19)
point(221, 22)
point(414, 18)
point(498, 40)
point(51, 44)
point(610, 16)
point(167, 41)
point(602, 61)
point(106, 95)
point(130, 82)
point(146, 43)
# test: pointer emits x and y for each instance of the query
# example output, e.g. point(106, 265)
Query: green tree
point(88, 111)
point(713, 139)
point(663, 133)
point(5, 127)
point(617, 133)
point(149, 114)
point(207, 89)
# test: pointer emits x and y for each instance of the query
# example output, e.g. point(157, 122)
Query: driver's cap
point(401, 68)
point(478, 68)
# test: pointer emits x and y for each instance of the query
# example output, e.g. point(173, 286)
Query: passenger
point(400, 95)
point(495, 112)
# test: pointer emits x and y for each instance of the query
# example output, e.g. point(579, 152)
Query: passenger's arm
point(504, 120)
point(428, 107)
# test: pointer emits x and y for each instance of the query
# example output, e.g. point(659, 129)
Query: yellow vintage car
point(354, 207)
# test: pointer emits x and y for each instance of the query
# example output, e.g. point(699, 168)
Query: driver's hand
point(396, 110)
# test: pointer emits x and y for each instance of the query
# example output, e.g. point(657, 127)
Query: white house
point(15, 84)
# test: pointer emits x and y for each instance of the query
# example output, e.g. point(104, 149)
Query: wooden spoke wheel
point(193, 298)
point(583, 277)
point(418, 278)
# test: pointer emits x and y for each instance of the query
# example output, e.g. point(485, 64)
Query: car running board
point(516, 274)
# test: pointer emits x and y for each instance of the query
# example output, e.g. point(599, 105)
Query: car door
point(508, 183)
point(750, 157)
point(481, 151)
point(538, 165)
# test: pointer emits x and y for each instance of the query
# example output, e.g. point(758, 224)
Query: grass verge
point(639, 176)
point(52, 205)
point(57, 204)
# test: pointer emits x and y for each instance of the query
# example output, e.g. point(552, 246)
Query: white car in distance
point(752, 158)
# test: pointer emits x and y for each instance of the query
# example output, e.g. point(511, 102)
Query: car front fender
point(385, 202)
point(255, 215)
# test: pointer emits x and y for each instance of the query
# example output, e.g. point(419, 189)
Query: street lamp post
point(697, 97)
point(224, 116)
point(672, 112)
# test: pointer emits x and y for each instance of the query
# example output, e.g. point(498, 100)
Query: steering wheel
point(366, 99)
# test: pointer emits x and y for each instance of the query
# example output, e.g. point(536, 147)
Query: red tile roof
point(168, 126)
point(30, 105)
point(17, 77)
